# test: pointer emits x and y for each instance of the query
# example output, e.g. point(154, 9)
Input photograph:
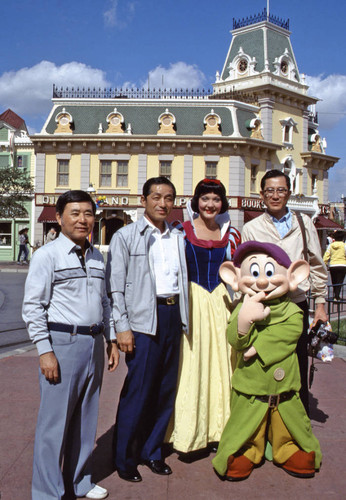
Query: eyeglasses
point(269, 192)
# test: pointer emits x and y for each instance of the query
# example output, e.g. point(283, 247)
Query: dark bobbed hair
point(275, 173)
point(73, 196)
point(338, 235)
point(157, 180)
point(209, 186)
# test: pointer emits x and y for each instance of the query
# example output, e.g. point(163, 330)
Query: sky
point(122, 43)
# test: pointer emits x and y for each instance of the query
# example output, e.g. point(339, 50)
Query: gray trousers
point(67, 418)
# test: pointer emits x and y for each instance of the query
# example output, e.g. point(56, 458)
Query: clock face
point(212, 121)
point(115, 120)
point(284, 67)
point(242, 65)
point(64, 120)
point(167, 120)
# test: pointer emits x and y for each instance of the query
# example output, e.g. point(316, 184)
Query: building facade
point(258, 116)
point(16, 151)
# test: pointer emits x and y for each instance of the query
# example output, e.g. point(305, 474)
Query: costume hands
point(126, 341)
point(251, 311)
point(49, 366)
point(113, 356)
point(249, 353)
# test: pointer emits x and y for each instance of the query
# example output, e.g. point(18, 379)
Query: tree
point(16, 188)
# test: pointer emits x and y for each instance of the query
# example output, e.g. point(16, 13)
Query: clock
point(242, 65)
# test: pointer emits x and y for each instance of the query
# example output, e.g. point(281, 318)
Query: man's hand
point(320, 313)
point(49, 366)
point(126, 341)
point(113, 356)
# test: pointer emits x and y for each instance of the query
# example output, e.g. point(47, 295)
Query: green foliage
point(16, 188)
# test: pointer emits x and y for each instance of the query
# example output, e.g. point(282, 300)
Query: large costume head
point(263, 267)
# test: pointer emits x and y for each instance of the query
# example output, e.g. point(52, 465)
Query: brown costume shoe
point(300, 464)
point(238, 468)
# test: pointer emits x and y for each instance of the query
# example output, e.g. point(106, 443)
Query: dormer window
point(64, 122)
point(167, 123)
point(212, 123)
point(284, 67)
point(115, 122)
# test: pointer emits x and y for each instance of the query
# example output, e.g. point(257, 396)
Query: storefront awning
point(47, 215)
point(325, 223)
point(176, 215)
point(251, 214)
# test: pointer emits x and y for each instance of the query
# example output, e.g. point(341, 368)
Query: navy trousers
point(148, 395)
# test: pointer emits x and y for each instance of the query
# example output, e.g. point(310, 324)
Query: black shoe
point(158, 467)
point(133, 476)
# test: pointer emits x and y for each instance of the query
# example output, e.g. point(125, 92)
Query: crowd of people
point(161, 301)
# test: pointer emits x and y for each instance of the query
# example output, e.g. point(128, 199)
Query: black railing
point(128, 93)
point(336, 310)
point(262, 16)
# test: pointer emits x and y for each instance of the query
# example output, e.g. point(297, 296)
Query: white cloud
point(178, 75)
point(28, 91)
point(114, 19)
point(332, 91)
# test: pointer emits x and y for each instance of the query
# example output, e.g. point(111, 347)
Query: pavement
point(193, 477)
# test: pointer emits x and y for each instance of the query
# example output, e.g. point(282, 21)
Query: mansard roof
point(143, 115)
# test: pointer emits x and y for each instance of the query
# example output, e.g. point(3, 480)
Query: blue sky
point(119, 43)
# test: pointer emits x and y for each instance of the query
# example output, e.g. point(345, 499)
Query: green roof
point(144, 118)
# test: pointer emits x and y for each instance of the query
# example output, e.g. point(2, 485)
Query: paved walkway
point(196, 480)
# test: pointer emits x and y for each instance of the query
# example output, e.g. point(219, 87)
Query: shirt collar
point(156, 229)
point(286, 217)
point(69, 245)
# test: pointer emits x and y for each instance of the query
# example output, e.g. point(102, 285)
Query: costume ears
point(298, 271)
point(230, 275)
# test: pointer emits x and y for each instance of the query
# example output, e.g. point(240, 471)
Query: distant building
point(258, 116)
point(16, 150)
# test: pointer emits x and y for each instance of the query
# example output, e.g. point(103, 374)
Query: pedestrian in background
point(51, 235)
point(23, 246)
point(335, 256)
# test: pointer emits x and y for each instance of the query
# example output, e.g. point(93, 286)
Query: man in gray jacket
point(147, 283)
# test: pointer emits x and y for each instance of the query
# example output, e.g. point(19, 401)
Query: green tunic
point(275, 340)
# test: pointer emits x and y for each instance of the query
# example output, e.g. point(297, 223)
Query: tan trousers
point(279, 437)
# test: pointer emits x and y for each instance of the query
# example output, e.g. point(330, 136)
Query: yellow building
point(257, 117)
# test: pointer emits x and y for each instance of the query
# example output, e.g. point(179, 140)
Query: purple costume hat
point(279, 255)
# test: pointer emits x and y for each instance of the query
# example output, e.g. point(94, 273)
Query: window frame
point(60, 174)
point(122, 178)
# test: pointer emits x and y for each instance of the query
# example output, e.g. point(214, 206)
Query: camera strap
point(303, 231)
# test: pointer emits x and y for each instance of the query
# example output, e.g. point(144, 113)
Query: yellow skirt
point(202, 405)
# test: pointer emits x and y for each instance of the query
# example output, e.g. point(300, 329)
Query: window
point(106, 173)
point(22, 161)
point(288, 127)
point(166, 169)
point(122, 173)
point(5, 234)
point(5, 161)
point(63, 172)
point(287, 133)
point(211, 169)
point(254, 171)
point(314, 184)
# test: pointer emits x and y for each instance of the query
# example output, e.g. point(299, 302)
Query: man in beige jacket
point(280, 226)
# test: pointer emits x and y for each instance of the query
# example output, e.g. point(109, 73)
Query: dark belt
point(94, 329)
point(168, 301)
point(273, 400)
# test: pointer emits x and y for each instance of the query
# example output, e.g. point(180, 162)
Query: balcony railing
point(262, 16)
point(129, 93)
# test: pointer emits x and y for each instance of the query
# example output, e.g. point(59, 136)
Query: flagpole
point(267, 10)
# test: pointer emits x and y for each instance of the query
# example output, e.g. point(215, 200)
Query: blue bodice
point(203, 264)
